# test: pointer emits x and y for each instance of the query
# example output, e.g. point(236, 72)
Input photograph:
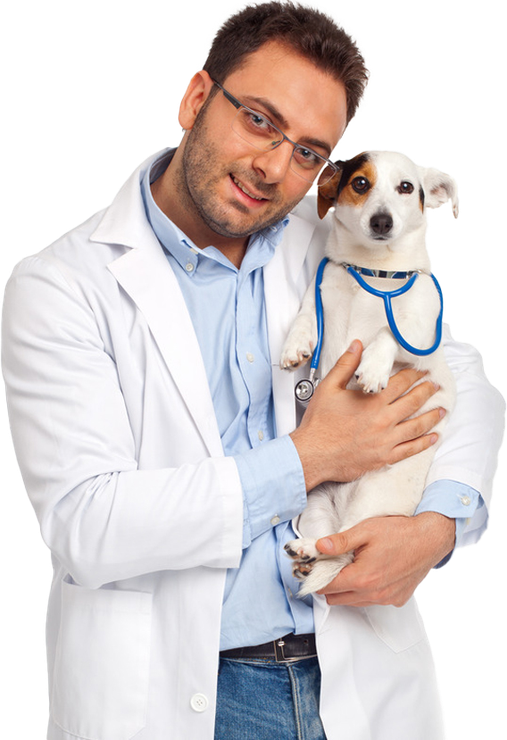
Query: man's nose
point(274, 164)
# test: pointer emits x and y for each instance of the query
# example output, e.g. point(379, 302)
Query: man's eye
point(258, 122)
point(307, 157)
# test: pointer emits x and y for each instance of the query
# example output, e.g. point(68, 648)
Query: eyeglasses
point(258, 131)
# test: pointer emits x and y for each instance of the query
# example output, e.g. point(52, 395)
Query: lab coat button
point(466, 500)
point(275, 520)
point(199, 702)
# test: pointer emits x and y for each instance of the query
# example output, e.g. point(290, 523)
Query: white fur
point(352, 313)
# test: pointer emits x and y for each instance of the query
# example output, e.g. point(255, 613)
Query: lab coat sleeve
point(102, 517)
point(473, 435)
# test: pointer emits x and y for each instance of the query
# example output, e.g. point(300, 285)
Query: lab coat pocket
point(101, 673)
point(400, 628)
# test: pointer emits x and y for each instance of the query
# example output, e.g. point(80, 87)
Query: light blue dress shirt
point(228, 313)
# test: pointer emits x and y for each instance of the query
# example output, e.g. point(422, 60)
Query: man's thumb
point(336, 544)
point(346, 366)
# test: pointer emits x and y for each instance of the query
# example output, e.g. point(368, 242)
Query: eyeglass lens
point(258, 131)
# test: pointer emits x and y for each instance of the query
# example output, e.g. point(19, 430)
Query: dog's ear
point(328, 193)
point(438, 188)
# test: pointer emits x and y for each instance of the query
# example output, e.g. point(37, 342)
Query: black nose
point(381, 223)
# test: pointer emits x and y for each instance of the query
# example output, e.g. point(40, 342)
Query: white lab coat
point(120, 452)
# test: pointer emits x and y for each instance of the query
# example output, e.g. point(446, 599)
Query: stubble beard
point(200, 176)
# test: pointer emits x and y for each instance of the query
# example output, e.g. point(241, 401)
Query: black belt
point(290, 647)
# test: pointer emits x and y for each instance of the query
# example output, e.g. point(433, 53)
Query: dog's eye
point(360, 185)
point(405, 188)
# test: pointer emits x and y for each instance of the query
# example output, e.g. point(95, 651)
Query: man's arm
point(104, 514)
point(394, 554)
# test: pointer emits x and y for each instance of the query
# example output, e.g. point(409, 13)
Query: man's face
point(236, 189)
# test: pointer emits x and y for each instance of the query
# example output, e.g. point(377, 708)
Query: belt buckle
point(279, 653)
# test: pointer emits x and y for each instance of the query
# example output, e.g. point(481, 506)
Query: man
point(157, 437)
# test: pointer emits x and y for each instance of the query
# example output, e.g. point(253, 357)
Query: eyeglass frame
point(238, 104)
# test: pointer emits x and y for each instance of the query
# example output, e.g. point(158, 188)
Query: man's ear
point(194, 98)
point(327, 193)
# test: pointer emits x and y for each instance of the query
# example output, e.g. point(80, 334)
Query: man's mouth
point(245, 190)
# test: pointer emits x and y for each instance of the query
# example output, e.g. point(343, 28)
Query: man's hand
point(392, 556)
point(346, 433)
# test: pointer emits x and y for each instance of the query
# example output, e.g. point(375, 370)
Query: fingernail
point(354, 346)
point(433, 439)
point(437, 386)
point(326, 545)
point(442, 413)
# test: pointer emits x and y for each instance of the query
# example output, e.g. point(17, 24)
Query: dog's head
point(380, 197)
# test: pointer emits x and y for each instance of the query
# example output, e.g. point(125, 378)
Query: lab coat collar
point(145, 274)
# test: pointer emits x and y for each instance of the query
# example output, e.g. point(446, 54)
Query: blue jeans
point(264, 700)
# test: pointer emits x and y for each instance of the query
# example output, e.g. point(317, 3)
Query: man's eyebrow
point(282, 122)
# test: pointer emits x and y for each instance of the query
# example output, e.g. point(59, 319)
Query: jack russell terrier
point(377, 287)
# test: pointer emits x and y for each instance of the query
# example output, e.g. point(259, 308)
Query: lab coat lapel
point(150, 282)
point(146, 276)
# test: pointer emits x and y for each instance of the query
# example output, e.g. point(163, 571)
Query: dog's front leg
point(302, 338)
point(377, 362)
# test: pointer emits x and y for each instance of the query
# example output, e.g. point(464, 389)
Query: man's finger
point(414, 435)
point(342, 373)
point(338, 544)
point(401, 382)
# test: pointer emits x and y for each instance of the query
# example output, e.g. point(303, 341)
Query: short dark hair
point(309, 32)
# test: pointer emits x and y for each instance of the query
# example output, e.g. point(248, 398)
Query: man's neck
point(169, 197)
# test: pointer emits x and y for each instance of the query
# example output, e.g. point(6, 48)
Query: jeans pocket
point(101, 673)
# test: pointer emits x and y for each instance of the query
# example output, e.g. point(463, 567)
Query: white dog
point(377, 237)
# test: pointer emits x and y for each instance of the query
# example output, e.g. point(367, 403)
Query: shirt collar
point(261, 245)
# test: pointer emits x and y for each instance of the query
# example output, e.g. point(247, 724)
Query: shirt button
point(189, 267)
point(249, 357)
point(466, 500)
point(199, 703)
point(260, 434)
point(275, 520)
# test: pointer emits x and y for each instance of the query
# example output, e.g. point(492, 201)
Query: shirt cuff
point(454, 500)
point(273, 484)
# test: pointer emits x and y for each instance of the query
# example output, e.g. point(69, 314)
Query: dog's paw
point(310, 566)
point(296, 351)
point(373, 373)
point(304, 554)
point(323, 572)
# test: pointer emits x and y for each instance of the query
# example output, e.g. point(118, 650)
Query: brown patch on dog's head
point(421, 199)
point(327, 193)
point(353, 190)
point(337, 188)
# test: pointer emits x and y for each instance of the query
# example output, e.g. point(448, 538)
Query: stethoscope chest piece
point(304, 390)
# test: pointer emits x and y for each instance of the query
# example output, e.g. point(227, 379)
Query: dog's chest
point(350, 312)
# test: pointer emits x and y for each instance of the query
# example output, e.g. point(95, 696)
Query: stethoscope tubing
point(305, 388)
point(387, 295)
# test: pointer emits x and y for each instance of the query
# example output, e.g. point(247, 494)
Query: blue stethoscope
point(305, 388)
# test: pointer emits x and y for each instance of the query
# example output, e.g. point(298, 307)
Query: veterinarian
point(158, 443)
